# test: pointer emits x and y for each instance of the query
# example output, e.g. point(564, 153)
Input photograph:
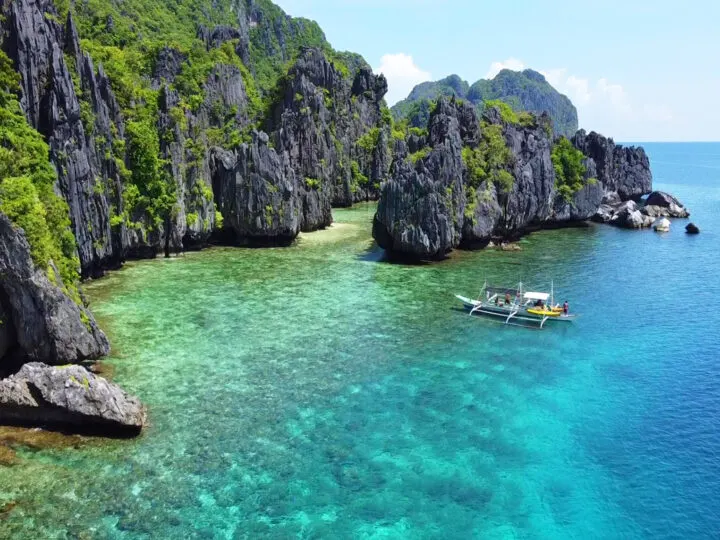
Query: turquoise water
point(316, 391)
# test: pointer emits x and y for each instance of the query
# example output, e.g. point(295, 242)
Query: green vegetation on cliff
point(570, 170)
point(131, 37)
point(27, 181)
point(522, 118)
point(489, 161)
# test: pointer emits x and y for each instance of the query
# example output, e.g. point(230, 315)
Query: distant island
point(523, 90)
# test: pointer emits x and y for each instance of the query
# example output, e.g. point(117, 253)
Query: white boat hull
point(480, 308)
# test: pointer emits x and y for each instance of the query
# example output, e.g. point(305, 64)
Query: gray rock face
point(321, 117)
point(663, 204)
point(257, 192)
point(40, 322)
point(7, 331)
point(218, 35)
point(629, 216)
point(420, 212)
point(70, 398)
point(625, 171)
point(428, 208)
point(35, 43)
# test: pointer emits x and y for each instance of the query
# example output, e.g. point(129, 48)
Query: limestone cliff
point(437, 200)
point(135, 151)
point(38, 320)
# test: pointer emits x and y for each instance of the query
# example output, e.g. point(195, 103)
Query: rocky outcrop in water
point(632, 215)
point(691, 228)
point(431, 205)
point(330, 126)
point(629, 216)
point(286, 181)
point(68, 398)
point(39, 321)
point(661, 204)
point(421, 207)
point(621, 170)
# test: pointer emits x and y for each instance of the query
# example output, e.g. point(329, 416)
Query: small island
point(465, 181)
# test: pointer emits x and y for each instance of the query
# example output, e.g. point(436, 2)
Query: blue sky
point(636, 70)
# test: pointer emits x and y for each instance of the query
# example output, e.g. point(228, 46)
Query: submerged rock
point(691, 228)
point(68, 398)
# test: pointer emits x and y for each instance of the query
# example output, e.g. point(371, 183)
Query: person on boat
point(507, 298)
point(539, 304)
point(566, 307)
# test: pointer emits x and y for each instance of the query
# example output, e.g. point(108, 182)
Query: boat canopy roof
point(502, 291)
point(537, 296)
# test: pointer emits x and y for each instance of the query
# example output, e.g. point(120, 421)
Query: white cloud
point(602, 105)
point(511, 63)
point(402, 75)
point(578, 88)
point(657, 113)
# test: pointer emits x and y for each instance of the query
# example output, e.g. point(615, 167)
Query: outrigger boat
point(516, 305)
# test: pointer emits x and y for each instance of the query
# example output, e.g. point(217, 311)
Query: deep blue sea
point(318, 392)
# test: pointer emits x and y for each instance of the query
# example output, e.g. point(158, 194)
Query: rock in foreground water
point(68, 398)
point(691, 228)
point(39, 320)
point(661, 204)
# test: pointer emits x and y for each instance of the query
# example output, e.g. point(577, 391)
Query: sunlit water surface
point(316, 391)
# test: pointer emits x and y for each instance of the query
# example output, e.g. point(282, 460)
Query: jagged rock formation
point(433, 205)
point(317, 122)
point(68, 398)
point(39, 321)
point(258, 192)
point(523, 90)
point(121, 205)
point(421, 207)
point(621, 170)
point(632, 215)
point(279, 184)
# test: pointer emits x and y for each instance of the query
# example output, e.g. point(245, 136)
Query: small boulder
point(604, 214)
point(628, 216)
point(655, 211)
point(68, 398)
point(664, 200)
point(662, 225)
point(691, 228)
